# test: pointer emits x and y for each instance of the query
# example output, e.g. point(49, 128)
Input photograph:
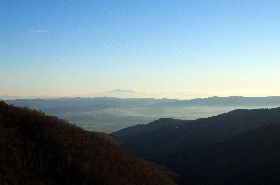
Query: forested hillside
point(251, 158)
point(190, 147)
point(37, 149)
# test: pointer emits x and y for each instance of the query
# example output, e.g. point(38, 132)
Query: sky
point(165, 48)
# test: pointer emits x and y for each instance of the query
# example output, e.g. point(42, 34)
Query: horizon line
point(3, 98)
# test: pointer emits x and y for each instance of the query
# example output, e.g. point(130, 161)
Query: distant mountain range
point(229, 101)
point(107, 114)
point(119, 93)
point(116, 93)
point(13, 97)
point(224, 149)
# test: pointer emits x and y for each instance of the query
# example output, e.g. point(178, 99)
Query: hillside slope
point(164, 138)
point(251, 158)
point(185, 146)
point(44, 150)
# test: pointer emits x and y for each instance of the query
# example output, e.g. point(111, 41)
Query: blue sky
point(167, 48)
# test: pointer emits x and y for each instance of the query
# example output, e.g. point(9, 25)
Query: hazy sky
point(170, 48)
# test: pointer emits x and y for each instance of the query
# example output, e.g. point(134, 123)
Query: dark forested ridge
point(44, 150)
point(251, 158)
point(189, 147)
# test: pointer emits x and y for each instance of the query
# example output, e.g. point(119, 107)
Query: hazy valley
point(106, 114)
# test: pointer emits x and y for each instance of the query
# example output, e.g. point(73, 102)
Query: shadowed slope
point(251, 158)
point(39, 149)
point(179, 144)
point(166, 138)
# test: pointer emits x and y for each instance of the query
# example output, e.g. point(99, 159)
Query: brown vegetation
point(39, 149)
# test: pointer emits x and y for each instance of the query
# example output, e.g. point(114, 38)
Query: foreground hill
point(177, 143)
point(251, 158)
point(44, 150)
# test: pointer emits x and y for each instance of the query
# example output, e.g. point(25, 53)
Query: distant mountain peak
point(124, 90)
point(120, 93)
